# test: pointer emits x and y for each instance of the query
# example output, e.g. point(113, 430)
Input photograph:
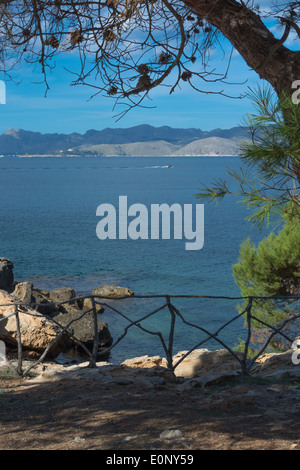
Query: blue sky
point(68, 109)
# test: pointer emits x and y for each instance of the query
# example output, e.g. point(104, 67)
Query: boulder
point(83, 328)
point(23, 291)
point(6, 274)
point(203, 362)
point(203, 366)
point(199, 363)
point(62, 294)
point(37, 332)
point(42, 297)
point(146, 362)
point(112, 291)
point(51, 299)
point(87, 304)
point(268, 365)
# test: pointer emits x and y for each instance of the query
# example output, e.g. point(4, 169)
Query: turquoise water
point(48, 229)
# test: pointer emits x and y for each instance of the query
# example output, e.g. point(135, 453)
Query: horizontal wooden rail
point(243, 360)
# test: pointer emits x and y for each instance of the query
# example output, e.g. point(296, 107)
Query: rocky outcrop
point(146, 362)
point(112, 291)
point(62, 294)
point(42, 298)
point(47, 312)
point(23, 291)
point(87, 304)
point(51, 299)
point(37, 332)
point(6, 274)
point(148, 372)
point(71, 311)
point(83, 329)
point(271, 364)
point(204, 362)
point(198, 363)
point(203, 367)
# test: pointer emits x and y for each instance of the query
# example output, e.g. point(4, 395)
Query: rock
point(50, 300)
point(112, 291)
point(269, 365)
point(40, 296)
point(203, 367)
point(145, 362)
point(86, 304)
point(6, 274)
point(130, 438)
point(83, 329)
point(77, 439)
point(218, 378)
point(198, 363)
point(63, 294)
point(153, 381)
point(171, 434)
point(23, 290)
point(36, 331)
point(204, 362)
point(119, 380)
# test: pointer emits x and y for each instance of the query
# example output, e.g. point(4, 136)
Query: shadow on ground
point(87, 414)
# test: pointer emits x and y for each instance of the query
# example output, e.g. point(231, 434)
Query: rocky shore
point(139, 403)
point(201, 369)
point(44, 313)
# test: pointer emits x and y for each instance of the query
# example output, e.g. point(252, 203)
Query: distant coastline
point(138, 141)
point(116, 156)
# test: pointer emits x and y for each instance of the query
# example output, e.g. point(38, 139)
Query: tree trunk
point(252, 39)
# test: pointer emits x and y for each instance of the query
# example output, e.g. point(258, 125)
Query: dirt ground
point(88, 415)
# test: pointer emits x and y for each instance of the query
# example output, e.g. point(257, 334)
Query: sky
point(68, 109)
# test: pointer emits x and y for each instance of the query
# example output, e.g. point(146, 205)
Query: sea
point(48, 229)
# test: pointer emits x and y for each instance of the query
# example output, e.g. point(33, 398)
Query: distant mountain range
point(142, 140)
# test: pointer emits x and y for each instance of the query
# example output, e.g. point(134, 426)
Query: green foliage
point(273, 268)
point(241, 348)
point(269, 182)
point(270, 269)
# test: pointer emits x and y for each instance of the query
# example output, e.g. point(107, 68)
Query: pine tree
point(267, 186)
point(271, 269)
point(266, 183)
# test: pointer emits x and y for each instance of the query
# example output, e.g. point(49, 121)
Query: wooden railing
point(168, 302)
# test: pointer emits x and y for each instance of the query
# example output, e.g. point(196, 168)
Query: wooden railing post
point(19, 339)
point(93, 359)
